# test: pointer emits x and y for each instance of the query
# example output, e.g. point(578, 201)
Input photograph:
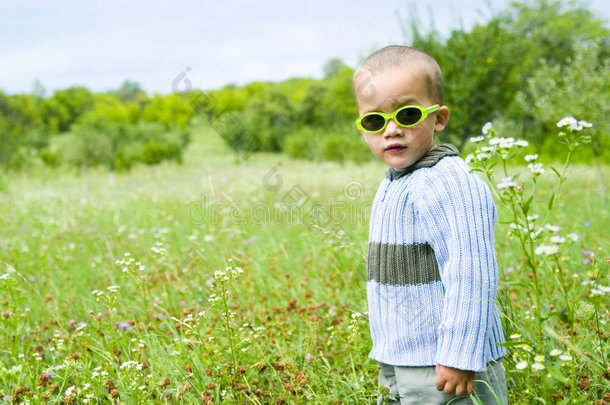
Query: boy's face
point(386, 91)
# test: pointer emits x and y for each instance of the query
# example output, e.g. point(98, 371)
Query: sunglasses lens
point(373, 122)
point(409, 115)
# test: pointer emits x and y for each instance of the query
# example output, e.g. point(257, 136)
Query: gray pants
point(417, 385)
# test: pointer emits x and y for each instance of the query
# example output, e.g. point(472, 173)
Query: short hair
point(396, 55)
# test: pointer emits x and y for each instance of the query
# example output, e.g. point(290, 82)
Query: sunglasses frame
point(424, 114)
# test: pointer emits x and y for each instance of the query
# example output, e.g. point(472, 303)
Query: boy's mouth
point(395, 148)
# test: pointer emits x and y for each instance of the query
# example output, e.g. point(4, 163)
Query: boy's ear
point(442, 118)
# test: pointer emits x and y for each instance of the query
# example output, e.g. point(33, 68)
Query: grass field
point(225, 282)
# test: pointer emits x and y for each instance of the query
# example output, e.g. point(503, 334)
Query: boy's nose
point(392, 129)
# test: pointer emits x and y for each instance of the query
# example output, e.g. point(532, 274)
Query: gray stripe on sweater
point(402, 264)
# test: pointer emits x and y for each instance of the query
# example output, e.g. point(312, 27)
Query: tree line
point(75, 126)
point(525, 68)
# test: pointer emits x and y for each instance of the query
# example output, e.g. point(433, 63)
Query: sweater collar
point(428, 160)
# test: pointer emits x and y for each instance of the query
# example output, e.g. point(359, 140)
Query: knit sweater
point(431, 269)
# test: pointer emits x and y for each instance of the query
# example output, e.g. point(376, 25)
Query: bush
point(155, 152)
point(119, 146)
point(50, 157)
point(301, 144)
point(337, 144)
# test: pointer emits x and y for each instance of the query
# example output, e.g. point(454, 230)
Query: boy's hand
point(454, 381)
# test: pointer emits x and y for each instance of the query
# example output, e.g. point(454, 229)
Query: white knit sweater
point(432, 269)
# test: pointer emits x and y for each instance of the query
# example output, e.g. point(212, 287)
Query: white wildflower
point(565, 357)
point(584, 124)
point(567, 122)
point(131, 363)
point(521, 365)
point(547, 250)
point(481, 157)
point(486, 128)
point(158, 249)
point(521, 143)
point(506, 182)
point(539, 358)
point(536, 168)
point(573, 237)
point(555, 352)
point(552, 228)
point(537, 366)
point(529, 158)
point(477, 139)
point(515, 336)
point(533, 218)
point(507, 143)
point(602, 290)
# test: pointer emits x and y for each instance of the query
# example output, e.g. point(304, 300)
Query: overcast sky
point(101, 44)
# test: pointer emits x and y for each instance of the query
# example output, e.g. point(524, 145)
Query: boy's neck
point(428, 160)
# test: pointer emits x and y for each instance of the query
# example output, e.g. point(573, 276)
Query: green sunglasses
point(407, 116)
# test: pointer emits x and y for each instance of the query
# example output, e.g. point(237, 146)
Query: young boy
point(431, 267)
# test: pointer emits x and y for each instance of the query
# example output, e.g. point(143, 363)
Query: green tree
point(332, 67)
point(21, 129)
point(64, 108)
point(479, 74)
point(577, 88)
point(131, 92)
point(553, 30)
point(9, 139)
point(269, 116)
point(172, 110)
point(550, 33)
point(484, 68)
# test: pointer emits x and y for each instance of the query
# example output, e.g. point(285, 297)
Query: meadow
point(224, 281)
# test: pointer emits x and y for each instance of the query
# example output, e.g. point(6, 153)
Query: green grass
point(285, 333)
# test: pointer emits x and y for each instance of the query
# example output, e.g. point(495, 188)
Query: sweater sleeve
point(458, 216)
